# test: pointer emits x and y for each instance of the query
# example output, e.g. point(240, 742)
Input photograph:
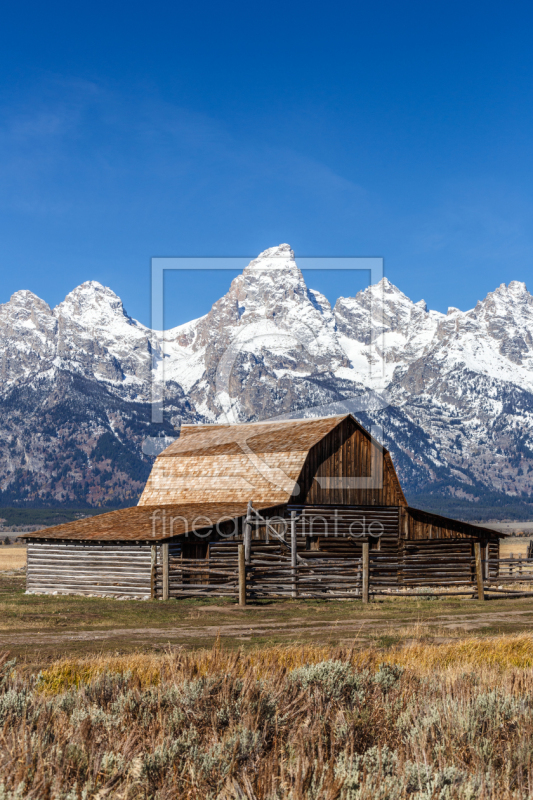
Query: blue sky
point(346, 129)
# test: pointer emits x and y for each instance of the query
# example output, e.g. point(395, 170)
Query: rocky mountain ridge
point(452, 393)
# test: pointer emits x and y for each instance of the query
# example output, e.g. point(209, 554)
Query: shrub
point(273, 724)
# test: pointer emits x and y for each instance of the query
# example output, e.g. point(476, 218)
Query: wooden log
point(242, 576)
point(314, 596)
point(365, 566)
point(86, 592)
point(419, 594)
point(153, 564)
point(247, 533)
point(164, 559)
point(324, 581)
point(203, 587)
point(294, 556)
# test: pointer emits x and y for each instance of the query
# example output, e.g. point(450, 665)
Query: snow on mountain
point(88, 333)
point(459, 386)
point(401, 330)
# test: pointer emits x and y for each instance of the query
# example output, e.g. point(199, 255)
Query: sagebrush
point(439, 722)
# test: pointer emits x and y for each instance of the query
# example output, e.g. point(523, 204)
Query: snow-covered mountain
point(453, 392)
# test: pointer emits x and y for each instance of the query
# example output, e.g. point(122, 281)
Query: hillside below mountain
point(451, 395)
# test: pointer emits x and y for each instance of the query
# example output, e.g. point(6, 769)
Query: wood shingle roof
point(235, 463)
point(145, 523)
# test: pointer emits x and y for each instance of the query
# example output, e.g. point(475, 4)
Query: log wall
point(436, 562)
point(100, 568)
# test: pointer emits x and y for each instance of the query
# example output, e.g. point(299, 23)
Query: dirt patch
point(297, 629)
point(39, 628)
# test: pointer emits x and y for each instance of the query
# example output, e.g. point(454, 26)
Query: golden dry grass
point(12, 557)
point(496, 654)
point(515, 545)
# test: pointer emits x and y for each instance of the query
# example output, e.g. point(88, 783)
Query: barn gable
point(349, 467)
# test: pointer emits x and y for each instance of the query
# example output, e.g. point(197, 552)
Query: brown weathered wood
point(247, 533)
point(365, 566)
point(164, 560)
point(294, 556)
point(242, 576)
point(416, 548)
point(153, 564)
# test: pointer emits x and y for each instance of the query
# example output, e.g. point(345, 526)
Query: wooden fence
point(332, 578)
point(271, 575)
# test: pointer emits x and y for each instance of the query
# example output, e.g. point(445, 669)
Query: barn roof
point(259, 461)
point(463, 528)
point(275, 436)
point(146, 523)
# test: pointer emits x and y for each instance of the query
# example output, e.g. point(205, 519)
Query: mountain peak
point(280, 251)
point(518, 287)
point(385, 282)
point(505, 296)
point(274, 258)
point(91, 297)
point(92, 288)
point(26, 298)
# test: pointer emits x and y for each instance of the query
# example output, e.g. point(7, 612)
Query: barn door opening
point(191, 552)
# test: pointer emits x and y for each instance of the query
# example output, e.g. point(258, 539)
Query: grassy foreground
point(300, 721)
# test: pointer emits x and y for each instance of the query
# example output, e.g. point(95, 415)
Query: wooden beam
point(164, 559)
point(153, 565)
point(485, 555)
point(366, 565)
point(479, 571)
point(247, 533)
point(294, 556)
point(242, 576)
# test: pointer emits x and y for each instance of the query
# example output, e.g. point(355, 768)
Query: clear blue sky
point(401, 130)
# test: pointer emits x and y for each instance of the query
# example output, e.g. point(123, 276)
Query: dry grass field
point(515, 546)
point(12, 557)
point(297, 722)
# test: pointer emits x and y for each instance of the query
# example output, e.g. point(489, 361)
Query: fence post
point(294, 573)
point(479, 571)
point(242, 576)
point(366, 565)
point(247, 534)
point(153, 565)
point(164, 558)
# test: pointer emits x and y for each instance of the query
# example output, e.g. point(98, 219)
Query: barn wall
point(107, 568)
point(423, 525)
point(436, 562)
point(348, 452)
point(443, 562)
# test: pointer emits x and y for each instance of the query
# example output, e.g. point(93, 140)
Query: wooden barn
point(310, 500)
